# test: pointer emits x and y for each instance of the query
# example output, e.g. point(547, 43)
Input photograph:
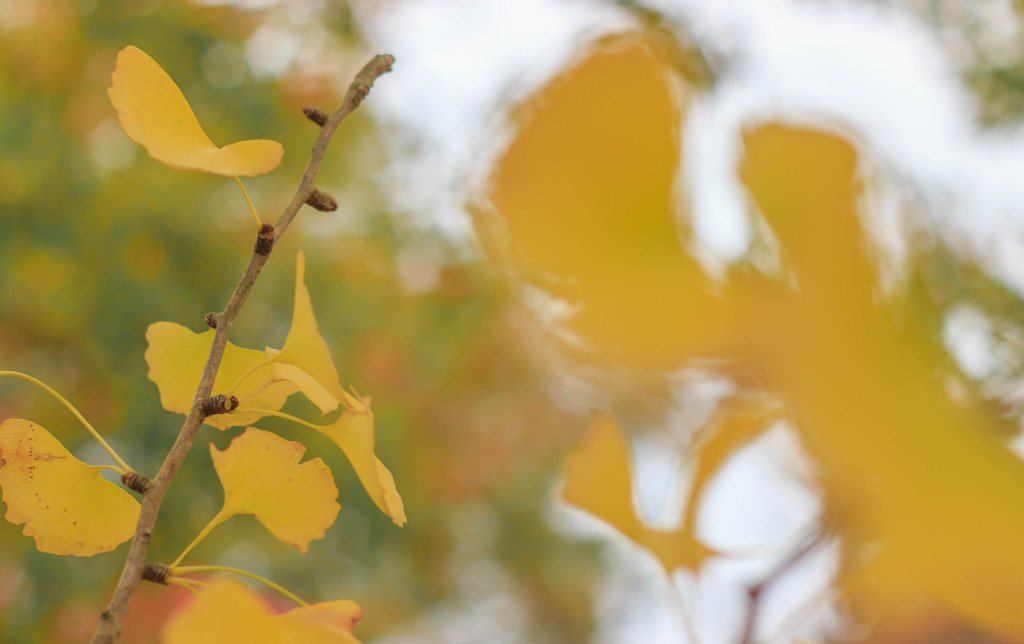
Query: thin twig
point(682, 616)
point(806, 546)
point(803, 613)
point(111, 620)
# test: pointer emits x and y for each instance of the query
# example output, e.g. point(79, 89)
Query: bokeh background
point(478, 397)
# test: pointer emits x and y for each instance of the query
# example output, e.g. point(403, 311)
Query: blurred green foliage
point(99, 241)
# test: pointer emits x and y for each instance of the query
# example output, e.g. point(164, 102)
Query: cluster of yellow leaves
point(263, 380)
point(69, 508)
point(585, 203)
point(230, 612)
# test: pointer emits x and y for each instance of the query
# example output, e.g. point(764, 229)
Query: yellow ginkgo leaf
point(739, 422)
point(354, 433)
point(928, 503)
point(155, 114)
point(226, 612)
point(176, 357)
point(65, 504)
point(322, 623)
point(306, 349)
point(585, 203)
point(262, 476)
point(598, 480)
point(231, 612)
point(307, 384)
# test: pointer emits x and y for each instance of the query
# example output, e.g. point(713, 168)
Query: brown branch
point(111, 620)
point(806, 546)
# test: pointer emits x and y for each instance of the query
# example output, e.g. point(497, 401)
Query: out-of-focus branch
point(807, 545)
point(112, 619)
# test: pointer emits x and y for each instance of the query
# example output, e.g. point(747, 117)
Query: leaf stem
point(214, 522)
point(92, 430)
point(281, 414)
point(252, 208)
point(248, 373)
point(267, 385)
point(184, 570)
point(680, 610)
point(190, 584)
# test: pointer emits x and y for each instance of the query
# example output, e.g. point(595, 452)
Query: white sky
point(876, 69)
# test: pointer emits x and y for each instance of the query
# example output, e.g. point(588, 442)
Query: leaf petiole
point(184, 570)
point(214, 522)
point(281, 414)
point(252, 209)
point(252, 370)
point(267, 385)
point(190, 584)
point(92, 430)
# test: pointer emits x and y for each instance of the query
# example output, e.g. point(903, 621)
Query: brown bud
point(136, 482)
point(315, 114)
point(211, 319)
point(322, 201)
point(219, 404)
point(156, 572)
point(264, 240)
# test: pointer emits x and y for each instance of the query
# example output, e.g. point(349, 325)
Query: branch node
point(156, 572)
point(211, 319)
point(264, 240)
point(315, 114)
point(322, 201)
point(219, 404)
point(136, 482)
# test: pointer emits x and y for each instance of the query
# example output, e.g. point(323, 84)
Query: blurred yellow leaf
point(322, 623)
point(926, 500)
point(226, 612)
point(261, 475)
point(598, 480)
point(588, 205)
point(155, 114)
point(176, 357)
point(740, 422)
point(65, 504)
point(306, 349)
point(231, 612)
point(585, 204)
point(354, 433)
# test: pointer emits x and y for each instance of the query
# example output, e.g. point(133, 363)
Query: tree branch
point(112, 619)
point(806, 546)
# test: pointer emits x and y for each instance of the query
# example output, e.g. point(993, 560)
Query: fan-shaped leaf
point(155, 114)
point(598, 480)
point(176, 357)
point(354, 433)
point(262, 476)
point(65, 504)
point(304, 348)
point(230, 612)
point(586, 202)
